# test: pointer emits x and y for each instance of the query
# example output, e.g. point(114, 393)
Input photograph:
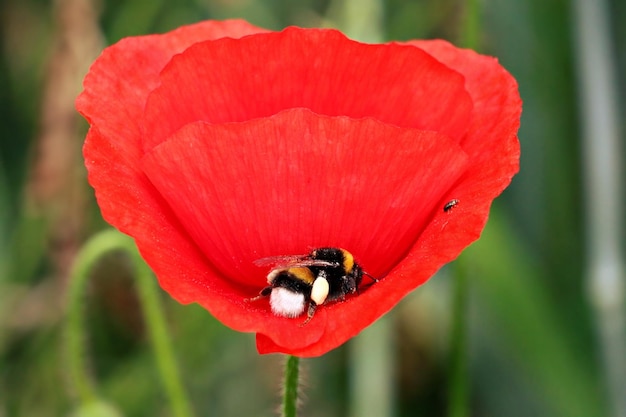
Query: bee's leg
point(374, 279)
point(310, 313)
point(264, 293)
point(365, 286)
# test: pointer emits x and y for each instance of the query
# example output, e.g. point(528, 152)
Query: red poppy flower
point(221, 143)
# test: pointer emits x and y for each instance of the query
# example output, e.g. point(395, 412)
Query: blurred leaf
point(97, 409)
point(4, 226)
point(511, 290)
point(134, 18)
point(28, 247)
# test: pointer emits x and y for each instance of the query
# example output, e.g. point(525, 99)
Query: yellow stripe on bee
point(303, 274)
point(348, 261)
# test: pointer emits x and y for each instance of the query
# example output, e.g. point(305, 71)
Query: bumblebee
point(324, 275)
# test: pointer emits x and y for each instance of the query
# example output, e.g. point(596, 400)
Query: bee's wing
point(279, 260)
point(315, 262)
point(293, 261)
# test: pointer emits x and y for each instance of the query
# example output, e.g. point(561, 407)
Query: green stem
point(75, 323)
point(157, 329)
point(91, 252)
point(290, 392)
point(457, 378)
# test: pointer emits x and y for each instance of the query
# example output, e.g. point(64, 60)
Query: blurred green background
point(542, 340)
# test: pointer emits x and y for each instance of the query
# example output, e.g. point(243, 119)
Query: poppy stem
point(290, 389)
point(159, 337)
point(457, 378)
point(84, 385)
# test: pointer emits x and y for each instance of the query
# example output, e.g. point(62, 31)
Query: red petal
point(236, 80)
point(494, 92)
point(118, 83)
point(492, 143)
point(194, 270)
point(311, 181)
point(113, 100)
point(341, 182)
point(491, 140)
